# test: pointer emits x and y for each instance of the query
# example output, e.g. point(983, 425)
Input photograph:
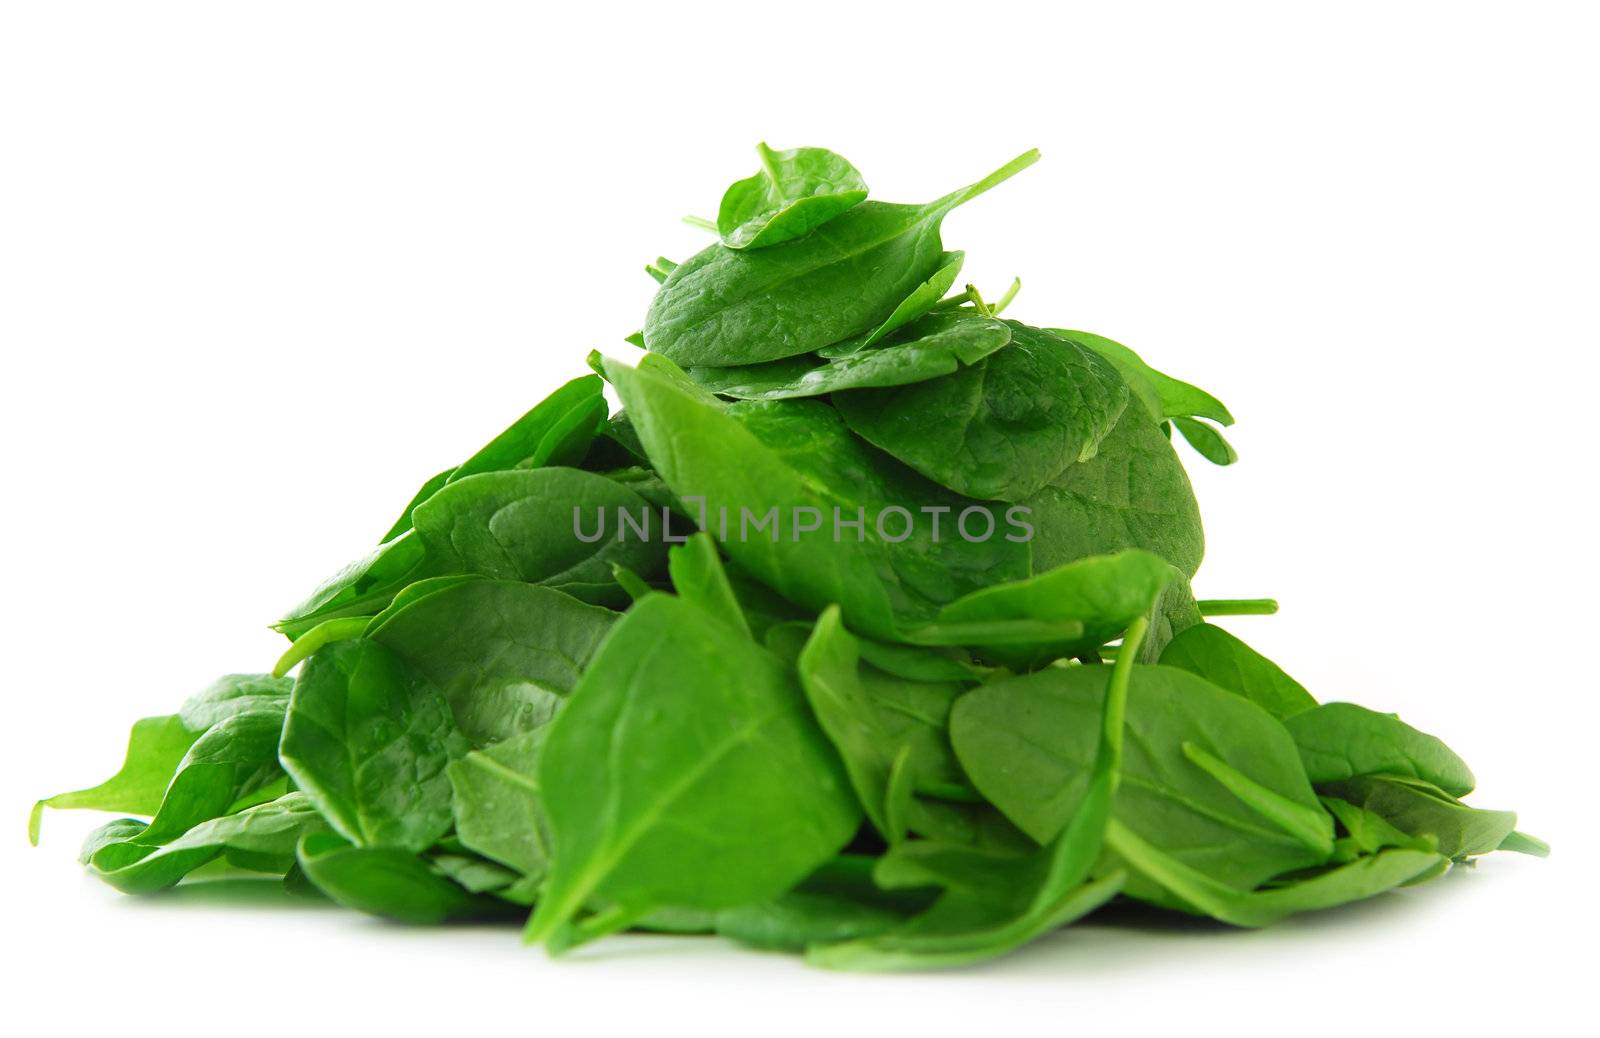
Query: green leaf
point(156, 746)
point(685, 771)
point(991, 902)
point(1363, 878)
point(386, 881)
point(1002, 428)
point(1132, 494)
point(1341, 741)
point(1028, 745)
point(1068, 610)
point(1205, 439)
point(504, 654)
point(367, 738)
point(698, 577)
point(235, 758)
point(1162, 396)
point(725, 306)
point(1223, 660)
point(931, 346)
point(796, 461)
point(795, 191)
point(1423, 810)
point(261, 838)
point(497, 805)
point(876, 720)
point(560, 527)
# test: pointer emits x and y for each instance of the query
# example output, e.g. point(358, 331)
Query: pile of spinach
point(567, 686)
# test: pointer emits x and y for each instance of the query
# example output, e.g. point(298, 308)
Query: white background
point(264, 267)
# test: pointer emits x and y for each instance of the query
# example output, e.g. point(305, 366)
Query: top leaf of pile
point(864, 630)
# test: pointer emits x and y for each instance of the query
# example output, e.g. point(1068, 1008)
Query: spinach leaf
point(261, 838)
point(1068, 610)
point(1205, 439)
point(1423, 810)
point(682, 728)
point(795, 191)
point(838, 902)
point(1223, 660)
point(1002, 428)
point(698, 577)
point(536, 525)
point(796, 462)
point(368, 738)
point(1162, 396)
point(934, 345)
point(917, 302)
point(234, 694)
point(497, 806)
point(1028, 745)
point(156, 746)
point(992, 902)
point(233, 759)
point(1132, 494)
point(1365, 877)
point(504, 654)
point(558, 431)
point(725, 306)
point(878, 723)
point(386, 881)
point(1339, 741)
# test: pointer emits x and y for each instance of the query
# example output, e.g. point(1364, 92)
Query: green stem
point(328, 631)
point(999, 176)
point(1005, 300)
point(1238, 606)
point(977, 301)
point(701, 222)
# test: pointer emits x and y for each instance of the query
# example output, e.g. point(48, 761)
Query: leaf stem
point(1238, 606)
point(700, 222)
point(1005, 300)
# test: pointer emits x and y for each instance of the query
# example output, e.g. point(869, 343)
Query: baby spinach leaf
point(838, 902)
point(1002, 428)
point(1071, 609)
point(919, 301)
point(367, 738)
point(558, 431)
point(931, 346)
point(533, 525)
point(1339, 741)
point(1132, 494)
point(497, 805)
point(698, 577)
point(386, 881)
point(1423, 810)
point(1223, 660)
point(261, 838)
point(1205, 439)
point(795, 191)
point(1363, 878)
point(234, 694)
point(725, 306)
point(682, 728)
point(877, 722)
point(236, 757)
point(503, 653)
point(1028, 744)
point(991, 902)
point(795, 461)
point(1162, 396)
point(156, 747)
